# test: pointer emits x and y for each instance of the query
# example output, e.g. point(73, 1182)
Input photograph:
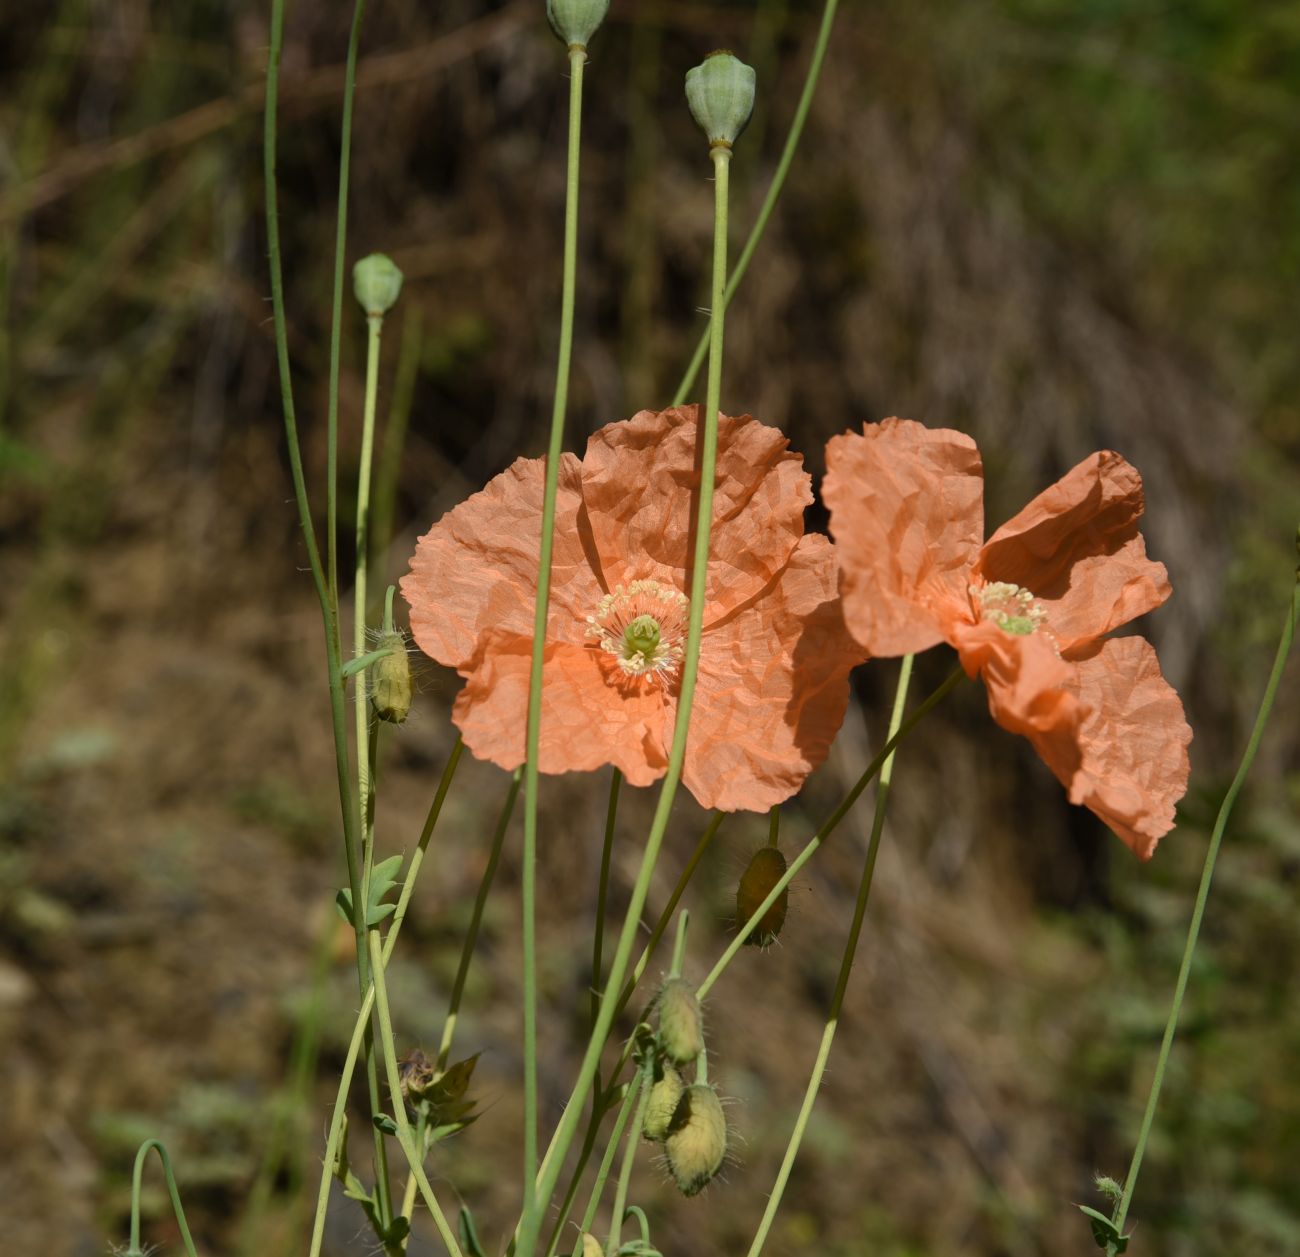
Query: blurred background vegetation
point(1057, 224)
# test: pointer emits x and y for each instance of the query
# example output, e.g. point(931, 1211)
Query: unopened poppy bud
point(591, 1246)
point(575, 21)
point(756, 882)
point(376, 281)
point(681, 1030)
point(697, 1144)
point(720, 93)
point(664, 1098)
point(390, 690)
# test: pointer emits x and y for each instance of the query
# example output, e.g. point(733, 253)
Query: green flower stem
point(846, 968)
point(324, 580)
point(1202, 895)
point(606, 1100)
point(361, 699)
point(602, 894)
point(362, 662)
point(368, 1000)
point(773, 192)
point(630, 1094)
point(708, 459)
point(828, 827)
point(336, 309)
point(421, 1142)
point(629, 1157)
point(679, 944)
point(577, 60)
point(137, 1176)
point(405, 1135)
point(470, 941)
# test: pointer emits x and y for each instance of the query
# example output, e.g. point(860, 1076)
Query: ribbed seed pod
point(681, 1026)
point(697, 1144)
point(764, 871)
point(665, 1095)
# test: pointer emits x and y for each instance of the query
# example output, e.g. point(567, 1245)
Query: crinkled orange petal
point(639, 484)
point(1077, 549)
point(475, 570)
point(907, 515)
point(772, 690)
point(1130, 766)
point(587, 719)
point(1027, 682)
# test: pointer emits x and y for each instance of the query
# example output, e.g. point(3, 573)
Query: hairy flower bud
point(697, 1144)
point(575, 21)
point(720, 92)
point(756, 882)
point(390, 688)
point(681, 1029)
point(376, 281)
point(665, 1095)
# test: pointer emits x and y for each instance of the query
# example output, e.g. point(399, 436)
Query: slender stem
point(602, 892)
point(606, 1163)
point(360, 697)
point(629, 1159)
point(336, 309)
point(773, 192)
point(421, 1142)
point(470, 941)
point(405, 1135)
point(846, 968)
point(368, 1000)
point(326, 583)
point(604, 1100)
point(828, 827)
point(137, 1175)
point(1202, 895)
point(577, 59)
point(708, 457)
point(679, 944)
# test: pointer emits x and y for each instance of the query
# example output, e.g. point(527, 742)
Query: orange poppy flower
point(1028, 609)
point(774, 657)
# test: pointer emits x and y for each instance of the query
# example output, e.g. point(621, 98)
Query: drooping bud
point(720, 92)
point(390, 689)
point(575, 21)
point(376, 281)
point(697, 1144)
point(665, 1095)
point(756, 882)
point(681, 1028)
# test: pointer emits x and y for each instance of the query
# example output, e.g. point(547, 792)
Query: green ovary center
point(1012, 608)
point(643, 626)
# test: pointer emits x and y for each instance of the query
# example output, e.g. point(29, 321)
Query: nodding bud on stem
point(390, 689)
point(756, 882)
point(575, 21)
point(376, 281)
point(681, 1030)
point(697, 1144)
point(664, 1097)
point(720, 93)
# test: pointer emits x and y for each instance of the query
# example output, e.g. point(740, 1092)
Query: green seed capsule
point(766, 869)
point(575, 21)
point(376, 282)
point(664, 1098)
point(720, 92)
point(681, 1028)
point(390, 689)
point(697, 1144)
